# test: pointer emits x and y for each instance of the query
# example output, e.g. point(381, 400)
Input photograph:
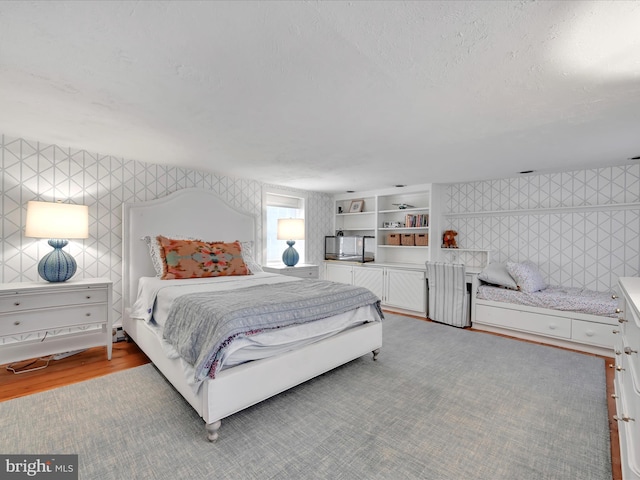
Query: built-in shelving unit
point(403, 226)
point(400, 219)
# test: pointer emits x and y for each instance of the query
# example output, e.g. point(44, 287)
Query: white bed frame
point(202, 214)
point(573, 330)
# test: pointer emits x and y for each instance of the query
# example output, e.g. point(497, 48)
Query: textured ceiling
point(329, 95)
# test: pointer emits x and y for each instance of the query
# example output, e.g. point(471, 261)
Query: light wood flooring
point(93, 363)
point(83, 366)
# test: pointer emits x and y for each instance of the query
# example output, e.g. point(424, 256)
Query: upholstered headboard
point(190, 212)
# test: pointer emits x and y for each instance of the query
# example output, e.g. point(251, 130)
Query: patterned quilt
point(200, 325)
point(569, 299)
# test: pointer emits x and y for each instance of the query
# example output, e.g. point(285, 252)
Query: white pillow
point(527, 276)
point(154, 250)
point(497, 274)
point(247, 256)
point(156, 258)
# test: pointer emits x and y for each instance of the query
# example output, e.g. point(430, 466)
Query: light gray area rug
point(440, 403)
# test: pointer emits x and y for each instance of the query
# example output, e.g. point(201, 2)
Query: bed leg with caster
point(212, 430)
point(375, 354)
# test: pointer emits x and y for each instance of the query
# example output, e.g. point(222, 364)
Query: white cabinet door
point(406, 289)
point(371, 278)
point(338, 273)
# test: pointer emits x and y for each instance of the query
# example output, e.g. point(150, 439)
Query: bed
point(524, 306)
point(196, 213)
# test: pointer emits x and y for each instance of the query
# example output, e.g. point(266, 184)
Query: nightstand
point(302, 270)
point(31, 307)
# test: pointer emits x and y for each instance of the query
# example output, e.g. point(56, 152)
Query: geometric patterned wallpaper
point(30, 170)
point(581, 228)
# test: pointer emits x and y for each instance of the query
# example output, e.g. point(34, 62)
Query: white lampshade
point(291, 229)
point(57, 220)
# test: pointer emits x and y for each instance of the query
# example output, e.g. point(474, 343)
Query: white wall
point(582, 228)
point(30, 170)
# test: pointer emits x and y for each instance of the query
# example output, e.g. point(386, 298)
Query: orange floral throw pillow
point(197, 259)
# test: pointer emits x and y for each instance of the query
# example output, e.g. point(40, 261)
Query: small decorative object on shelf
point(403, 206)
point(392, 225)
point(356, 206)
point(449, 239)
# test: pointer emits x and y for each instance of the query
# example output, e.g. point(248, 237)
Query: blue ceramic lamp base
point(58, 265)
point(290, 256)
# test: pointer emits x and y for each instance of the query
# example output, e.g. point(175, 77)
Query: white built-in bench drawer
point(594, 333)
point(525, 321)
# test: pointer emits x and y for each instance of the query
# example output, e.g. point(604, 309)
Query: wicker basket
point(393, 239)
point(408, 239)
point(422, 239)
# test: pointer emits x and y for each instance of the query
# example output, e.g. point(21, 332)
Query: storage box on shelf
point(408, 240)
point(393, 239)
point(422, 239)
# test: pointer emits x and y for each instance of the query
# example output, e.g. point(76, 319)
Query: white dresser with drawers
point(40, 318)
point(627, 377)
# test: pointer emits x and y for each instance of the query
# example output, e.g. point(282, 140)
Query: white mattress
point(568, 299)
point(155, 297)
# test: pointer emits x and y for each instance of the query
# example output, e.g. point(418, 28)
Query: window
point(281, 206)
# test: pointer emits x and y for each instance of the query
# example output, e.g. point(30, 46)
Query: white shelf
point(353, 214)
point(406, 210)
point(533, 211)
point(412, 247)
point(409, 229)
point(480, 250)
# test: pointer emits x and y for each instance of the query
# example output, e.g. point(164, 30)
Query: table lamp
point(58, 222)
point(290, 229)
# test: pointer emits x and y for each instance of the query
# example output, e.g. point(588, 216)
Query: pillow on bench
point(497, 274)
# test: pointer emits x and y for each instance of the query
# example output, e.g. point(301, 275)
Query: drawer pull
point(613, 395)
point(552, 327)
point(17, 303)
point(618, 352)
point(622, 320)
point(87, 314)
point(616, 331)
point(88, 297)
point(618, 310)
point(624, 418)
point(617, 367)
point(17, 322)
point(614, 296)
point(628, 350)
point(590, 333)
